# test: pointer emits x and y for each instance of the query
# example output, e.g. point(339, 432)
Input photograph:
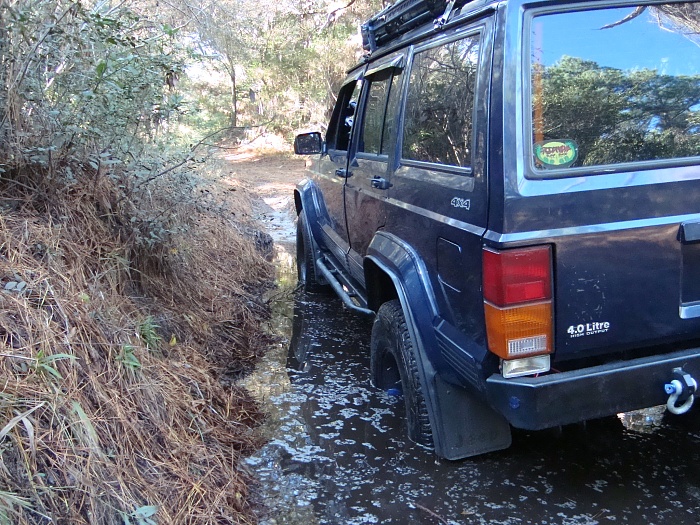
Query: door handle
point(689, 232)
point(342, 172)
point(380, 183)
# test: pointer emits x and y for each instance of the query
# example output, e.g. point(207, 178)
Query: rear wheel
point(394, 368)
point(306, 273)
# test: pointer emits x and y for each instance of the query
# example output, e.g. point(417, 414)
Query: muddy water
point(338, 454)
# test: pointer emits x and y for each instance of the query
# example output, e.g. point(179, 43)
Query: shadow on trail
point(338, 452)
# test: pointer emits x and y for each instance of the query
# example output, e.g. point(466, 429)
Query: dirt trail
point(269, 180)
point(337, 452)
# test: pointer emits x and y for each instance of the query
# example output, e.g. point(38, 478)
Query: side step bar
point(334, 278)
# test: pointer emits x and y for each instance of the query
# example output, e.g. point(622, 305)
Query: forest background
point(131, 278)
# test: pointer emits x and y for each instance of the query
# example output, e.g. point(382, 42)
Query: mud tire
point(393, 365)
point(306, 273)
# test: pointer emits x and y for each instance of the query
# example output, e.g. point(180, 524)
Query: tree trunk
point(234, 97)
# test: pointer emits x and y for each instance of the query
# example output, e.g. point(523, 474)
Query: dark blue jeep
point(513, 189)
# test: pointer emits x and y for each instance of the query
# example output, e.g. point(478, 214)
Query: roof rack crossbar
point(442, 19)
point(403, 16)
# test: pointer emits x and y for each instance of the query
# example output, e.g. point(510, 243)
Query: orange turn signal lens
point(519, 331)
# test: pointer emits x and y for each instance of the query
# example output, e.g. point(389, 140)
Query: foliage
point(143, 515)
point(83, 81)
point(102, 233)
point(148, 331)
point(87, 98)
point(127, 357)
point(207, 100)
point(8, 502)
point(44, 363)
point(284, 61)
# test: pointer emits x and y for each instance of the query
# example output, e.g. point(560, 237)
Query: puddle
point(337, 452)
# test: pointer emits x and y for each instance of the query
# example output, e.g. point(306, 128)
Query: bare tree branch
point(333, 15)
point(634, 14)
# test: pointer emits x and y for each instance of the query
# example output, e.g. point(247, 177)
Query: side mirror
point(308, 143)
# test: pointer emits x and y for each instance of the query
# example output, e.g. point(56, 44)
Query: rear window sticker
point(556, 154)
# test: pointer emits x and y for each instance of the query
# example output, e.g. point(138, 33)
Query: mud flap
point(465, 426)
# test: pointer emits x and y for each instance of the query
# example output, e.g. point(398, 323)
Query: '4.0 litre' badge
point(591, 328)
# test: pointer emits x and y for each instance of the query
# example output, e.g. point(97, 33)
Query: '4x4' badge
point(461, 203)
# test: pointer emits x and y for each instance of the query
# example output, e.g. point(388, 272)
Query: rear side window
point(440, 104)
point(611, 86)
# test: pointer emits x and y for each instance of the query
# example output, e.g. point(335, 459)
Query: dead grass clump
point(112, 351)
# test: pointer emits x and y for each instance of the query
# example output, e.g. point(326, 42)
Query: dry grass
point(113, 358)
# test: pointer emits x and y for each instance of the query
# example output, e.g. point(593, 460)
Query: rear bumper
point(556, 399)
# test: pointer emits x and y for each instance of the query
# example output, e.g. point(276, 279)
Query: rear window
point(612, 86)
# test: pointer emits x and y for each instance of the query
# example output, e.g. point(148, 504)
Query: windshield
point(611, 86)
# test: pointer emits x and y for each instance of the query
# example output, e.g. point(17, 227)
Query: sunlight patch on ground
point(277, 187)
point(231, 180)
point(243, 156)
point(264, 145)
point(278, 203)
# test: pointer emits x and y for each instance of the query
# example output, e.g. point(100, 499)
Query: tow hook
point(681, 389)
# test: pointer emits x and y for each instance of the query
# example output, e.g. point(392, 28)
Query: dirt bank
point(120, 334)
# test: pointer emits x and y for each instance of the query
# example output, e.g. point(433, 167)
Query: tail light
point(518, 301)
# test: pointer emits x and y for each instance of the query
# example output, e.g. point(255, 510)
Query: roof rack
point(403, 16)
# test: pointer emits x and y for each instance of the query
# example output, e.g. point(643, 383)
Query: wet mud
point(337, 451)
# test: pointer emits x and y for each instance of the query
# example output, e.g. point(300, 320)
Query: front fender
point(305, 201)
point(308, 197)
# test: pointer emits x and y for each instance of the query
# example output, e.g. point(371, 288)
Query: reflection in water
point(645, 421)
point(338, 454)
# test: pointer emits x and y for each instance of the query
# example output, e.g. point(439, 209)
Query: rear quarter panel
point(617, 256)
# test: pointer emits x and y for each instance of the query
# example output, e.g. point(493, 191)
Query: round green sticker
point(560, 153)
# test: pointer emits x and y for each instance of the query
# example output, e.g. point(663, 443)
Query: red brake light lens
point(517, 276)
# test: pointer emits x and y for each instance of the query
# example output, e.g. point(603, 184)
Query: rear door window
point(374, 115)
point(382, 95)
point(612, 86)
